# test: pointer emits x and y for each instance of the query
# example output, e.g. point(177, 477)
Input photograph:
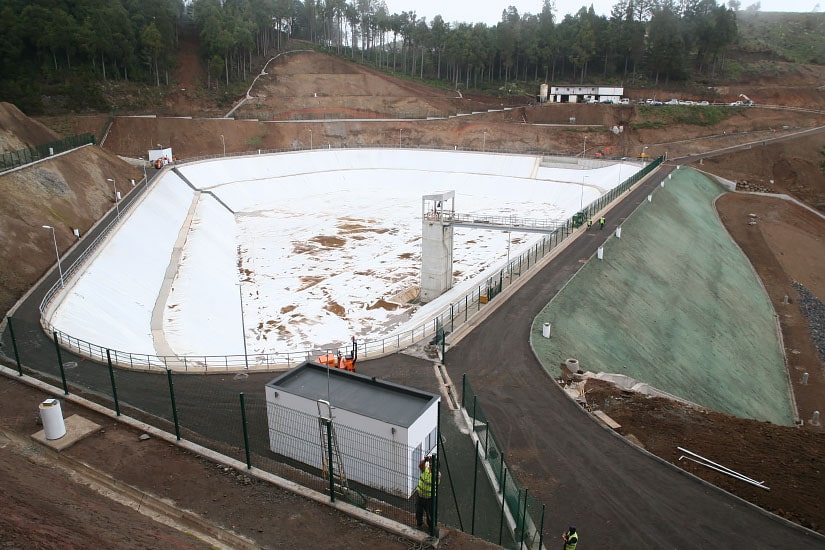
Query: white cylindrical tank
point(52, 417)
point(543, 91)
point(545, 330)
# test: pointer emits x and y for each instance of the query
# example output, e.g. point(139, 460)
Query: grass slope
point(676, 304)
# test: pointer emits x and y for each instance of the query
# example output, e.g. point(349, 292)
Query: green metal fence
point(11, 159)
point(521, 515)
point(229, 415)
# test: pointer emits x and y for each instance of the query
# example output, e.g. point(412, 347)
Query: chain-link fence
point(11, 159)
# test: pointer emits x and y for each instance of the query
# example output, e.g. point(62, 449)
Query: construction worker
point(570, 538)
point(424, 492)
point(601, 222)
point(589, 223)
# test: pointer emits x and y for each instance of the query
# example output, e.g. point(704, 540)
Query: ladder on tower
point(339, 477)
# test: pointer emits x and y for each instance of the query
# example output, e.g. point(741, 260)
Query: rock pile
point(814, 310)
point(752, 187)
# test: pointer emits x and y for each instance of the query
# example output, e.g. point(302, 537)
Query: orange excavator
point(339, 361)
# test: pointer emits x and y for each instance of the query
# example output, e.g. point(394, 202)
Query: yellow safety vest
point(425, 483)
point(571, 542)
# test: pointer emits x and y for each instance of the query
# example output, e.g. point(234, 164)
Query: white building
point(585, 94)
point(381, 429)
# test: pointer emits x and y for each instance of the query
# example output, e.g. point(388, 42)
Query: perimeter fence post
point(60, 363)
point(541, 525)
point(112, 378)
point(475, 486)
point(174, 408)
point(503, 504)
point(245, 432)
point(436, 478)
point(463, 389)
point(523, 520)
point(14, 347)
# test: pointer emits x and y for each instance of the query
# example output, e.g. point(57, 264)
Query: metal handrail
point(451, 316)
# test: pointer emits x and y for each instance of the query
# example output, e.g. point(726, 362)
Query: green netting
point(674, 303)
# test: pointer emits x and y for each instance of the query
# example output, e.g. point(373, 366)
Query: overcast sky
point(489, 11)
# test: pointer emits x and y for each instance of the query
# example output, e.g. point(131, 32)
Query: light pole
point(114, 186)
point(581, 199)
point(484, 141)
point(223, 141)
point(584, 146)
point(508, 253)
point(57, 253)
point(399, 138)
point(310, 138)
point(243, 328)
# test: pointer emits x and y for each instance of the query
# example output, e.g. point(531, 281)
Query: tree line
point(136, 40)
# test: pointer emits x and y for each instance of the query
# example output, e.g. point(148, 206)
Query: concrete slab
point(77, 428)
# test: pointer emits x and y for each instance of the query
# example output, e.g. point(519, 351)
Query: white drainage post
point(52, 417)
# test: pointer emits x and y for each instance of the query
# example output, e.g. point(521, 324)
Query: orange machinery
point(340, 361)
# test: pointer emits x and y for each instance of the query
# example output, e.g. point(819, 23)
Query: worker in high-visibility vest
point(424, 492)
point(571, 538)
point(601, 222)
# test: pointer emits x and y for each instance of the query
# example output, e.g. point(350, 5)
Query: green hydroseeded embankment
point(674, 303)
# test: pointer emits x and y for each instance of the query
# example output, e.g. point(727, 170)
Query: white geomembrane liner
point(319, 241)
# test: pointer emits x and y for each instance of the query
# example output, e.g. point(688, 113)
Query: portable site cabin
point(381, 429)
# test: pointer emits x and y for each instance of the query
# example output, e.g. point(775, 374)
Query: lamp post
point(484, 141)
point(243, 328)
point(399, 138)
point(581, 199)
point(223, 141)
point(114, 186)
point(508, 253)
point(57, 253)
point(310, 138)
point(584, 146)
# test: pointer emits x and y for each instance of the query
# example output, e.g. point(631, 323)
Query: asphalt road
point(617, 496)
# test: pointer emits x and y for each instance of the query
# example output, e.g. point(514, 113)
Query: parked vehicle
point(673, 101)
point(703, 103)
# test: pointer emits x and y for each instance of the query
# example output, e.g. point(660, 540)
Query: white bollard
point(600, 253)
point(669, 176)
point(815, 418)
point(545, 330)
point(52, 417)
point(650, 198)
point(804, 378)
point(76, 232)
point(619, 232)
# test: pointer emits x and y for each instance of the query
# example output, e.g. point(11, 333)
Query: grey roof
point(364, 395)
